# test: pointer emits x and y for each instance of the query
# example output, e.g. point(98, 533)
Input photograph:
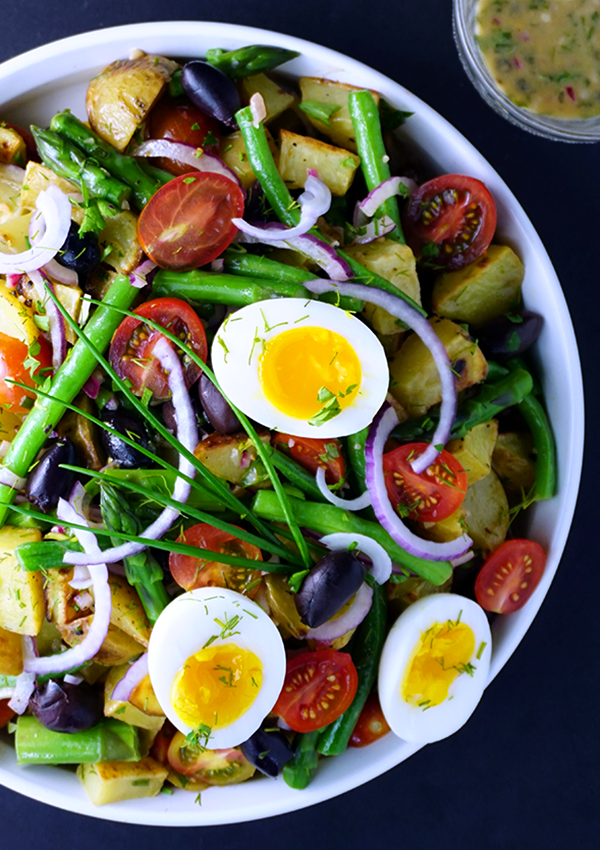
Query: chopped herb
point(319, 111)
point(210, 138)
point(189, 179)
point(482, 646)
point(296, 579)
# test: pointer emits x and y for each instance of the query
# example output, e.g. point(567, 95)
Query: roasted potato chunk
point(233, 153)
point(474, 450)
point(38, 178)
point(11, 655)
point(339, 129)
point(486, 513)
point(21, 592)
point(276, 99)
point(126, 711)
point(282, 606)
point(513, 461)
point(223, 455)
point(119, 98)
point(119, 238)
point(111, 781)
point(127, 611)
point(118, 647)
point(84, 434)
point(13, 150)
point(334, 166)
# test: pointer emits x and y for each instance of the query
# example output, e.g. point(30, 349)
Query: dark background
point(524, 772)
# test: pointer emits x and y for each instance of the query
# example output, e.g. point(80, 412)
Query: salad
point(267, 430)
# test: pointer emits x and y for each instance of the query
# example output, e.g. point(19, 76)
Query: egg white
point(184, 627)
point(411, 722)
point(238, 345)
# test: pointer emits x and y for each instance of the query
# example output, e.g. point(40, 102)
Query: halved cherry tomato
point(6, 713)
point(132, 344)
point(510, 575)
point(191, 573)
point(318, 687)
point(187, 223)
point(160, 746)
point(450, 220)
point(178, 120)
point(312, 454)
point(215, 767)
point(431, 496)
point(13, 358)
point(371, 724)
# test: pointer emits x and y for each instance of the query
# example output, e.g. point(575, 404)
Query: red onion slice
point(137, 277)
point(132, 678)
point(61, 274)
point(419, 324)
point(308, 245)
point(187, 434)
point(92, 386)
point(258, 109)
point(25, 684)
point(9, 479)
point(362, 501)
point(314, 202)
point(382, 425)
point(52, 218)
point(187, 154)
point(379, 195)
point(374, 229)
point(73, 680)
point(58, 331)
point(464, 559)
point(381, 563)
point(350, 619)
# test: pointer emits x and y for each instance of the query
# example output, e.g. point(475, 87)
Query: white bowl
point(36, 85)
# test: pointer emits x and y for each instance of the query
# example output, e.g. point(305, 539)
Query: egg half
point(216, 663)
point(434, 667)
point(301, 367)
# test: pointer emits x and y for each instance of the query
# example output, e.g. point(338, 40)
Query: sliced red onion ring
point(258, 109)
point(12, 172)
point(217, 265)
point(381, 563)
point(58, 331)
point(362, 501)
point(350, 619)
point(419, 324)
point(374, 229)
point(61, 274)
point(82, 579)
point(7, 693)
point(73, 680)
point(187, 434)
point(188, 155)
point(9, 479)
point(308, 245)
point(98, 630)
point(25, 684)
point(53, 218)
point(132, 678)
point(382, 425)
point(379, 195)
point(84, 599)
point(92, 386)
point(12, 280)
point(314, 202)
point(137, 277)
point(464, 559)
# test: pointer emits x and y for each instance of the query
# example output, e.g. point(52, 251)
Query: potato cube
point(16, 318)
point(276, 99)
point(60, 605)
point(127, 611)
point(119, 238)
point(474, 450)
point(415, 379)
point(513, 461)
point(489, 287)
point(22, 607)
point(70, 297)
point(117, 648)
point(486, 513)
point(446, 529)
point(112, 781)
point(144, 698)
point(339, 129)
point(11, 654)
point(38, 178)
point(13, 149)
point(334, 166)
point(233, 153)
point(125, 710)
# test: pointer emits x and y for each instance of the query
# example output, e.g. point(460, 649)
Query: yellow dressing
point(216, 686)
point(297, 364)
point(442, 654)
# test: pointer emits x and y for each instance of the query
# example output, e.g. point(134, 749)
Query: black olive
point(80, 253)
point(126, 422)
point(47, 482)
point(211, 91)
point(268, 751)
point(509, 336)
point(65, 707)
point(328, 586)
point(218, 412)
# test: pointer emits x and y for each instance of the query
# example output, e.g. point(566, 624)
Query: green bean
point(245, 61)
point(355, 449)
point(543, 440)
point(299, 772)
point(495, 371)
point(365, 650)
point(66, 384)
point(297, 475)
point(373, 155)
point(328, 519)
point(489, 401)
point(124, 167)
point(199, 286)
point(67, 160)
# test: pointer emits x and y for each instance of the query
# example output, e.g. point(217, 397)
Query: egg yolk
point(303, 369)
point(216, 686)
point(442, 654)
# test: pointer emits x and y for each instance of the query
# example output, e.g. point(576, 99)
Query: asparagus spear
point(109, 740)
point(254, 59)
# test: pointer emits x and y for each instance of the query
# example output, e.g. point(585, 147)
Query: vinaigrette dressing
point(544, 54)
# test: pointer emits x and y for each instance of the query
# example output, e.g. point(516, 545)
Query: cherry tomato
point(510, 575)
point(191, 573)
point(160, 746)
point(187, 223)
point(371, 725)
point(178, 120)
point(431, 496)
point(13, 358)
point(6, 713)
point(318, 687)
point(312, 454)
point(132, 344)
point(450, 220)
point(215, 767)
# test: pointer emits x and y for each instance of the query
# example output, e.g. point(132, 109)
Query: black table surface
point(524, 771)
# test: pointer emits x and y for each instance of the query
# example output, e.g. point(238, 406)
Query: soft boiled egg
point(434, 667)
point(217, 664)
point(301, 367)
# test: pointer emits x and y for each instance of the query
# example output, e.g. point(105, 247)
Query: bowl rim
point(63, 54)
